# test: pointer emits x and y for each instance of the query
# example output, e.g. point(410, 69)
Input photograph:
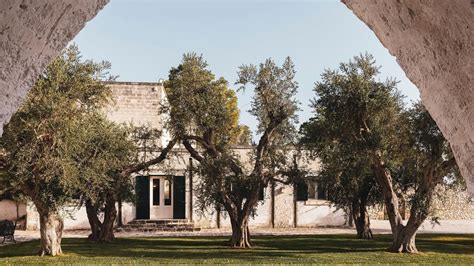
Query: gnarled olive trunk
point(92, 211)
point(51, 230)
point(404, 239)
point(404, 235)
point(362, 221)
point(384, 180)
point(102, 231)
point(350, 218)
point(239, 214)
point(240, 233)
point(110, 214)
point(359, 211)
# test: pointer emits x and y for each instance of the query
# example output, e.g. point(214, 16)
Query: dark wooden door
point(179, 201)
point(142, 190)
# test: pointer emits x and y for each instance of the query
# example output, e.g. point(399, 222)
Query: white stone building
point(165, 192)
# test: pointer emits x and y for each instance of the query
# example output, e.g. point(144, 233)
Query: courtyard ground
point(342, 248)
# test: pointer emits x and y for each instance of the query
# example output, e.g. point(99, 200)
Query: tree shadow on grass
point(343, 243)
point(267, 247)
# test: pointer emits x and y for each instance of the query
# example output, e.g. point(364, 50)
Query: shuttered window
point(301, 191)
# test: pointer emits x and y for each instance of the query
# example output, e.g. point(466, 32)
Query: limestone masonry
point(32, 33)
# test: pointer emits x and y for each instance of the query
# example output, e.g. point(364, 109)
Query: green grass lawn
point(440, 249)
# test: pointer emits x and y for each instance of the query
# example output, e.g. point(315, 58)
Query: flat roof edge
point(111, 82)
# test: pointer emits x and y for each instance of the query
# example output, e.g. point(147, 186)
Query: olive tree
point(329, 135)
point(204, 116)
point(111, 154)
point(354, 128)
point(105, 150)
point(426, 160)
point(40, 139)
point(345, 174)
point(60, 146)
point(367, 115)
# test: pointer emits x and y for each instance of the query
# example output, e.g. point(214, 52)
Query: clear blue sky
point(143, 39)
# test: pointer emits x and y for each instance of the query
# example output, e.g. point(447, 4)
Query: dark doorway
point(142, 190)
point(179, 201)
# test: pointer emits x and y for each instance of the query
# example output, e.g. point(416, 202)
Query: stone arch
point(31, 34)
point(432, 41)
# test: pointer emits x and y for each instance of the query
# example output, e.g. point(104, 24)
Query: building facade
point(166, 191)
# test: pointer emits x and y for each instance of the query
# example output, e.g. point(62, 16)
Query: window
point(322, 192)
point(312, 190)
point(167, 192)
point(156, 192)
point(301, 191)
point(316, 191)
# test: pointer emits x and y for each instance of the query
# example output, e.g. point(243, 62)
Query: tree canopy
point(42, 139)
point(365, 137)
point(203, 113)
point(354, 112)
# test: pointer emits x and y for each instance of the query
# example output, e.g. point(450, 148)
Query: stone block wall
point(453, 204)
point(136, 102)
point(449, 203)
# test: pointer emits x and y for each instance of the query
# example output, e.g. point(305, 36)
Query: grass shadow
point(268, 248)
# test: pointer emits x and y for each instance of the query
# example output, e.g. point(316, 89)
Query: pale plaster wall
point(75, 218)
point(309, 214)
point(284, 199)
point(32, 217)
point(8, 210)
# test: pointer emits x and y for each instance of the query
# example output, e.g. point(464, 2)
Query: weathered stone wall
point(449, 203)
point(136, 102)
point(31, 33)
point(432, 41)
point(453, 204)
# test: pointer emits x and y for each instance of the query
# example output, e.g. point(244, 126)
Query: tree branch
point(446, 166)
point(263, 144)
point(141, 166)
point(199, 139)
point(194, 153)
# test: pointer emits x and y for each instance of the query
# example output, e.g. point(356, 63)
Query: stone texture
point(136, 102)
point(432, 41)
point(449, 203)
point(453, 204)
point(31, 34)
